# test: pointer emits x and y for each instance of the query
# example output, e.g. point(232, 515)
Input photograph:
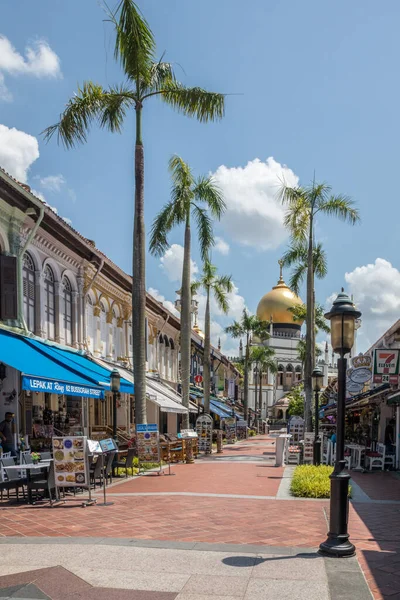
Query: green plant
point(252, 432)
point(296, 401)
point(310, 481)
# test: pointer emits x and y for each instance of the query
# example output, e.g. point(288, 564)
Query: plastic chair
point(13, 481)
point(376, 458)
point(45, 455)
point(46, 484)
point(109, 466)
point(390, 460)
point(96, 472)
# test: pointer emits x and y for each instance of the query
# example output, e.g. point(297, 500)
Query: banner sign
point(148, 442)
point(386, 366)
point(241, 430)
point(361, 371)
point(50, 386)
point(230, 429)
point(204, 428)
point(70, 461)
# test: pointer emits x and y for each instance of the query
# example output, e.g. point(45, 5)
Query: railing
point(122, 436)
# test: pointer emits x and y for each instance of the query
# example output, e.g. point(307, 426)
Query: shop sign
point(148, 442)
point(361, 371)
point(50, 386)
point(70, 461)
point(241, 430)
point(204, 428)
point(230, 429)
point(386, 366)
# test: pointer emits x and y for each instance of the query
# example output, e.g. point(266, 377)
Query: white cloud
point(39, 195)
point(376, 290)
point(221, 246)
point(167, 303)
point(53, 183)
point(172, 263)
point(39, 61)
point(18, 150)
point(254, 215)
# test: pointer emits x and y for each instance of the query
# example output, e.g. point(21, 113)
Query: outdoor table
point(356, 452)
point(28, 468)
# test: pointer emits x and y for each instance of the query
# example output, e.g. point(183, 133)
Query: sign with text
point(148, 442)
point(386, 366)
point(107, 445)
point(230, 429)
point(204, 427)
point(70, 461)
point(37, 384)
point(241, 430)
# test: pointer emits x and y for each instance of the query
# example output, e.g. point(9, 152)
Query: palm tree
point(303, 205)
point(187, 195)
point(301, 351)
point(145, 79)
point(220, 286)
point(297, 255)
point(247, 326)
point(264, 357)
point(299, 313)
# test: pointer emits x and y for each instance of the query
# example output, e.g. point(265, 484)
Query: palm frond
point(204, 229)
point(181, 173)
point(342, 207)
point(194, 102)
point(134, 44)
point(159, 74)
point(207, 191)
point(297, 277)
point(235, 330)
point(91, 104)
point(161, 227)
point(297, 219)
point(320, 261)
point(225, 281)
point(220, 295)
point(297, 252)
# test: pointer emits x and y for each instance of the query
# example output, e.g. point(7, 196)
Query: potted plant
point(35, 456)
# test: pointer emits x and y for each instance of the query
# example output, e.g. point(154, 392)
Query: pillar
point(97, 335)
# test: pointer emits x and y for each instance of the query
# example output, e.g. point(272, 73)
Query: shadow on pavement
point(248, 561)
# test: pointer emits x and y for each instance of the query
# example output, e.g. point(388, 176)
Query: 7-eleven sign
point(386, 366)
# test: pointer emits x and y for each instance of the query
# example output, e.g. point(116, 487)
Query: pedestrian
point(389, 436)
point(6, 434)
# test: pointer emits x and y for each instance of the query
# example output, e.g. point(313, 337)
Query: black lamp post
point(115, 382)
point(318, 378)
point(342, 316)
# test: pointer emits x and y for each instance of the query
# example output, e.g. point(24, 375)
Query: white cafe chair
point(376, 459)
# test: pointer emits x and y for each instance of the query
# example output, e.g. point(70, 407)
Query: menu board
point(204, 427)
point(70, 461)
point(107, 445)
point(188, 433)
point(148, 442)
point(230, 429)
point(241, 430)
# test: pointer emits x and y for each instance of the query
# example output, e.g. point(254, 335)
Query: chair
point(96, 471)
point(13, 481)
point(390, 459)
point(326, 450)
point(376, 458)
point(346, 457)
point(109, 466)
point(45, 455)
point(127, 463)
point(6, 455)
point(44, 484)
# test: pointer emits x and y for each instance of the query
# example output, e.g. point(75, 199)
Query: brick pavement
point(237, 520)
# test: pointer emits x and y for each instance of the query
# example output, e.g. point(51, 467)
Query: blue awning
point(47, 368)
point(82, 365)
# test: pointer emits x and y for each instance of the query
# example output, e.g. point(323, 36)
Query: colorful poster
point(386, 366)
point(70, 461)
point(230, 429)
point(241, 430)
point(107, 445)
point(204, 427)
point(148, 442)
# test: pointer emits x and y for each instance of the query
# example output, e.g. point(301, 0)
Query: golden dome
point(275, 304)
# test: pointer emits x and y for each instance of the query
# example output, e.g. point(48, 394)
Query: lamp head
point(318, 379)
point(343, 316)
point(115, 380)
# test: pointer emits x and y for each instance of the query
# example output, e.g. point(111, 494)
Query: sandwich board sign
point(386, 366)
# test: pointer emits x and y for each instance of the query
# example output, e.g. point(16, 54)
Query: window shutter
point(8, 288)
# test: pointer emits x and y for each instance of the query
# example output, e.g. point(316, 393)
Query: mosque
point(285, 334)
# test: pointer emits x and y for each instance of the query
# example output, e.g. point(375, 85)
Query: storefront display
point(230, 429)
point(241, 430)
point(204, 427)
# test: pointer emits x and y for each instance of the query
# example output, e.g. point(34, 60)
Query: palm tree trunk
point(260, 392)
point(186, 326)
point(206, 359)
point(310, 337)
point(246, 380)
point(256, 389)
point(139, 280)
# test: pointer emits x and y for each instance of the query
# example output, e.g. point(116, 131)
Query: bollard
point(189, 451)
point(219, 442)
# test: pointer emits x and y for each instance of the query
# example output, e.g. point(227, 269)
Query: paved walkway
point(236, 499)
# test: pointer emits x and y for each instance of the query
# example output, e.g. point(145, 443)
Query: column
point(120, 335)
point(40, 315)
point(109, 337)
point(74, 318)
point(58, 311)
point(80, 314)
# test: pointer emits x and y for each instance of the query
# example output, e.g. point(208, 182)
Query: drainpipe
point(21, 318)
point(85, 293)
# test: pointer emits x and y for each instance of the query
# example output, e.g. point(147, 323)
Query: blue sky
point(314, 85)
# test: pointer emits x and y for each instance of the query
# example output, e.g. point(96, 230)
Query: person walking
point(6, 434)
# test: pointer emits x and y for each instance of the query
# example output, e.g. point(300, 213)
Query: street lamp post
point(318, 378)
point(342, 316)
point(115, 383)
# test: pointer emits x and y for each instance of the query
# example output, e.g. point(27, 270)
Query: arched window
point(279, 376)
point(289, 368)
point(67, 311)
point(28, 278)
point(49, 302)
